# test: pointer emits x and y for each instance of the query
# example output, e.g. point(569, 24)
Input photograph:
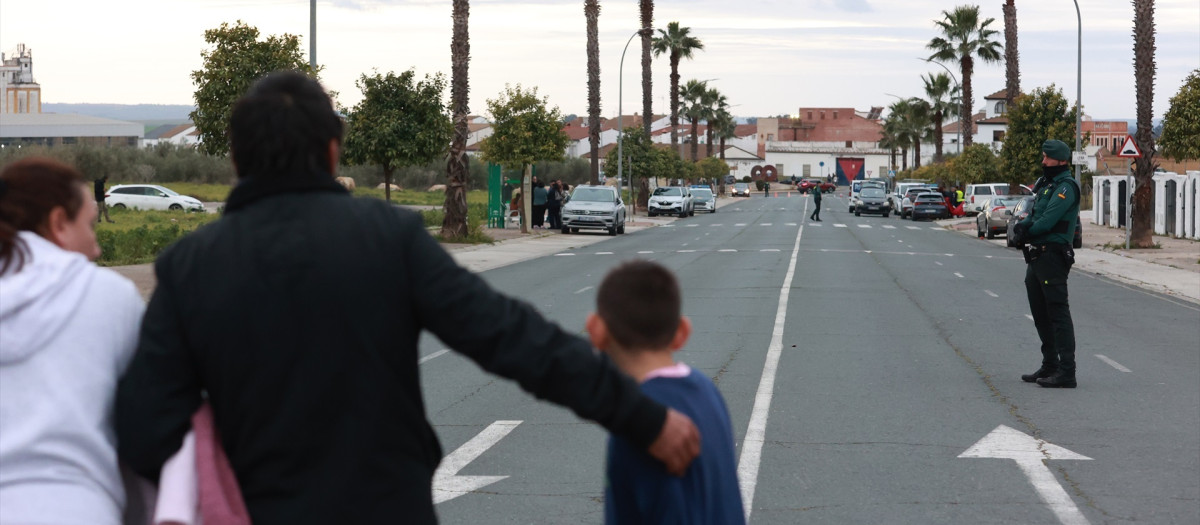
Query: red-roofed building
point(820, 142)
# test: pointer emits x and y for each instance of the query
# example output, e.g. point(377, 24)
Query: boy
point(638, 324)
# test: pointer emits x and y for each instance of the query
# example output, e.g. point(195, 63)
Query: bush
point(136, 246)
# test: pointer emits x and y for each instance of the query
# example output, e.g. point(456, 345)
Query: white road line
point(690, 225)
point(431, 356)
point(768, 250)
point(913, 227)
point(1113, 364)
point(765, 224)
point(937, 263)
point(668, 226)
point(756, 431)
point(715, 225)
point(727, 250)
point(564, 255)
point(584, 289)
point(740, 224)
point(938, 228)
point(864, 225)
point(888, 227)
point(959, 275)
point(604, 253)
point(839, 225)
point(685, 251)
point(991, 293)
point(791, 224)
point(1030, 317)
point(814, 225)
point(447, 484)
point(643, 252)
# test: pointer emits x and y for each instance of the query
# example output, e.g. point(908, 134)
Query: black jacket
point(98, 187)
point(298, 312)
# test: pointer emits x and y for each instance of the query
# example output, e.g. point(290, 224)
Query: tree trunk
point(722, 152)
point(1012, 65)
point(591, 10)
point(937, 137)
point(647, 8)
point(643, 196)
point(968, 130)
point(455, 223)
point(526, 198)
point(903, 159)
point(708, 136)
point(674, 100)
point(1141, 234)
point(695, 144)
point(917, 153)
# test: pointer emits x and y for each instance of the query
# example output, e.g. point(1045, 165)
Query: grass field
point(125, 220)
point(203, 192)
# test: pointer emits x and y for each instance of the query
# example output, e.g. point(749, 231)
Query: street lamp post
point(620, 128)
point(957, 85)
point(1078, 90)
point(312, 34)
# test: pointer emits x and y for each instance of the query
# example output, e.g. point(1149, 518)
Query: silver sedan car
point(993, 216)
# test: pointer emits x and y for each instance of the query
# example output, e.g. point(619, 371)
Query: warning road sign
point(1129, 149)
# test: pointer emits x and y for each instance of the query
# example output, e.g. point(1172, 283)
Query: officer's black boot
point(1059, 380)
point(1041, 373)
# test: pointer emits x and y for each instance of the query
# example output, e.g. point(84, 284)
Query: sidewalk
point(1173, 269)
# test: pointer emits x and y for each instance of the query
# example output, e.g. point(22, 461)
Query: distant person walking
point(554, 200)
point(100, 205)
point(68, 329)
point(310, 368)
point(816, 195)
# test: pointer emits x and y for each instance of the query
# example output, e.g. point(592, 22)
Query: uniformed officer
point(816, 194)
point(1046, 236)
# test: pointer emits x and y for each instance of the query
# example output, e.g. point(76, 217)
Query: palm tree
point(591, 11)
point(943, 99)
point(454, 225)
point(678, 44)
point(1012, 63)
point(726, 127)
point(647, 9)
point(1143, 71)
point(694, 94)
point(890, 140)
point(965, 39)
point(714, 101)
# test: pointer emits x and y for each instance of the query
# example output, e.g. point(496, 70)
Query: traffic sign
point(1129, 149)
point(1080, 158)
point(891, 173)
point(868, 173)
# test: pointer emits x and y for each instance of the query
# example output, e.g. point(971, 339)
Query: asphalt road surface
point(871, 368)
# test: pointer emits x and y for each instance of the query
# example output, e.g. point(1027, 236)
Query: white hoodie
point(68, 328)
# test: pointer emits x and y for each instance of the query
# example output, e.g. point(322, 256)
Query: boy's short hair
point(639, 301)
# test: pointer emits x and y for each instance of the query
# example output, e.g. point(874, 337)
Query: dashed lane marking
point(604, 253)
point(727, 250)
point(644, 252)
point(864, 225)
point(991, 293)
point(959, 275)
point(913, 227)
point(768, 250)
point(888, 227)
point(584, 289)
point(432, 356)
point(564, 255)
point(839, 225)
point(1113, 364)
point(1030, 317)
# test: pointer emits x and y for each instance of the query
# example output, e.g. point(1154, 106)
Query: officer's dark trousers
point(816, 214)
point(1046, 286)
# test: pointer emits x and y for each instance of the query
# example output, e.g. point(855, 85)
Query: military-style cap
point(1057, 150)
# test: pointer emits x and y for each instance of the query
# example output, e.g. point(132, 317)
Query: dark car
point(1022, 210)
point(872, 200)
point(929, 206)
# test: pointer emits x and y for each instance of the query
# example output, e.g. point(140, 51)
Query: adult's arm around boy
point(510, 338)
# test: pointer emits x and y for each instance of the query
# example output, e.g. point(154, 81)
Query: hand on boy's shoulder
point(677, 444)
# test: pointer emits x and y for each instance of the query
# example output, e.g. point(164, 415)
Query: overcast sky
point(769, 57)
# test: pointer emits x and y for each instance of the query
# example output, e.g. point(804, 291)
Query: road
point(866, 393)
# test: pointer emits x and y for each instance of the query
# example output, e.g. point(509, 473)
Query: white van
point(976, 194)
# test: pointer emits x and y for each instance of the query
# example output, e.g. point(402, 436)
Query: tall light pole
point(1078, 90)
point(620, 128)
point(957, 86)
point(312, 34)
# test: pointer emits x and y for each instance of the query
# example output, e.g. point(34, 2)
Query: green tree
point(455, 226)
point(713, 169)
point(964, 38)
point(976, 165)
point(1180, 138)
point(943, 98)
point(678, 43)
point(1041, 115)
point(526, 130)
point(715, 102)
point(398, 123)
point(694, 95)
point(237, 59)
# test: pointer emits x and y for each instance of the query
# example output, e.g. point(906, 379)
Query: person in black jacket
point(297, 315)
point(98, 186)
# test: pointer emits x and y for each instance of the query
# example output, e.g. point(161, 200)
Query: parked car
point(594, 208)
point(929, 205)
point(901, 191)
point(740, 189)
point(704, 200)
point(872, 200)
point(1021, 210)
point(671, 200)
point(975, 194)
point(994, 216)
point(807, 185)
point(149, 197)
point(857, 186)
point(907, 203)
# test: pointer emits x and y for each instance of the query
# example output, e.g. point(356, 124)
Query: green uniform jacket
point(1056, 202)
point(816, 193)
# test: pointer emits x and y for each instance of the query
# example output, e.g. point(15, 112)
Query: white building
point(1176, 202)
point(19, 93)
point(53, 129)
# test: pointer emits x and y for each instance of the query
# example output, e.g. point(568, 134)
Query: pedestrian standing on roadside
point(638, 323)
point(1045, 236)
point(554, 198)
point(539, 205)
point(310, 367)
point(816, 195)
point(68, 329)
point(100, 205)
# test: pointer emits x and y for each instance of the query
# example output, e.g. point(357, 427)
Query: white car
point(594, 208)
point(704, 200)
point(673, 200)
point(149, 197)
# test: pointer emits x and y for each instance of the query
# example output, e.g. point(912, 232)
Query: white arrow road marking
point(447, 484)
point(991, 293)
point(756, 431)
point(1113, 364)
point(431, 356)
point(584, 289)
point(1031, 455)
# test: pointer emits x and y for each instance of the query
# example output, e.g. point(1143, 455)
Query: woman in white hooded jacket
point(68, 328)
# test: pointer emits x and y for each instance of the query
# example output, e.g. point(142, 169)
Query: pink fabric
point(674, 371)
point(220, 498)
